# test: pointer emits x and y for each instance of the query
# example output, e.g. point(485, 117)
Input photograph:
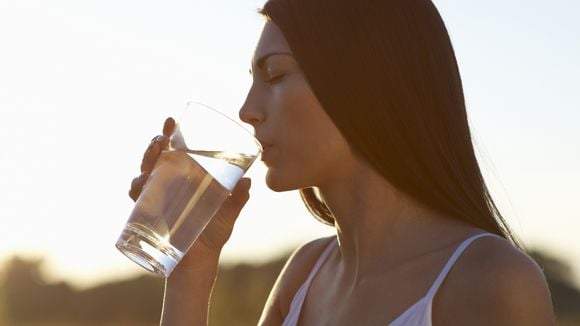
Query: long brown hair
point(386, 73)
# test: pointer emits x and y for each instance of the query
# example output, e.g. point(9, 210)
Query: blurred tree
point(238, 298)
point(241, 292)
point(565, 296)
point(24, 290)
point(30, 300)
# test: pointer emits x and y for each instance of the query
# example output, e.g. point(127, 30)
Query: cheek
point(310, 145)
point(290, 170)
point(309, 160)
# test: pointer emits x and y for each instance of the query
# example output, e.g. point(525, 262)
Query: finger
point(150, 157)
point(168, 127)
point(223, 221)
point(242, 189)
point(163, 142)
point(236, 201)
point(137, 185)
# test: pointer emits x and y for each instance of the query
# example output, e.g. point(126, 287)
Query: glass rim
point(256, 141)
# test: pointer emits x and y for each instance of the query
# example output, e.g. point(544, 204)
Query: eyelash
point(274, 79)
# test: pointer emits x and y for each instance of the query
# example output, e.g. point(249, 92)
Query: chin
point(279, 183)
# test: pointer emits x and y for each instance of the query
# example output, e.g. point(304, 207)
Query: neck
point(374, 222)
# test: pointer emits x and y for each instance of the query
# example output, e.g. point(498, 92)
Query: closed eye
point(274, 79)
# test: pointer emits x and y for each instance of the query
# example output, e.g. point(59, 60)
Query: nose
point(250, 112)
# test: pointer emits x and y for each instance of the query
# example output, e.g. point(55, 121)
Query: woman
point(360, 106)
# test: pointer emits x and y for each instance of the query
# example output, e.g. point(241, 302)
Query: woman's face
point(302, 147)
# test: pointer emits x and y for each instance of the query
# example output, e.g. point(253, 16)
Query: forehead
point(271, 40)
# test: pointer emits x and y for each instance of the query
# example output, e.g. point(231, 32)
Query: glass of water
point(207, 154)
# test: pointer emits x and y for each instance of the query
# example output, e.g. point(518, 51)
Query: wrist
point(203, 268)
point(187, 293)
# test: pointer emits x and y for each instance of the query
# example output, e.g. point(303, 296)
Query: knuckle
point(157, 139)
point(134, 183)
point(133, 194)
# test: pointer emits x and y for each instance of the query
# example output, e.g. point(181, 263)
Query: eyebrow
point(260, 62)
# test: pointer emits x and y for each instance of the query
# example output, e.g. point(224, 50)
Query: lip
point(264, 143)
point(265, 149)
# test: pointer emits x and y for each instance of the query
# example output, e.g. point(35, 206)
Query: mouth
point(265, 149)
point(264, 144)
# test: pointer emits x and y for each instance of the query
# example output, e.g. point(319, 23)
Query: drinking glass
point(207, 154)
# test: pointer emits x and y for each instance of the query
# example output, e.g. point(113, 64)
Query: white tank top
point(419, 314)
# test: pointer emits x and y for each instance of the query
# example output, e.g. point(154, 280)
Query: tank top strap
point(433, 290)
point(298, 300)
point(320, 261)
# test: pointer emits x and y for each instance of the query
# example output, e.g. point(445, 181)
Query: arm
point(188, 288)
point(187, 295)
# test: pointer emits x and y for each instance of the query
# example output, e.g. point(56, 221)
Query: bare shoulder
point(294, 273)
point(494, 283)
point(297, 269)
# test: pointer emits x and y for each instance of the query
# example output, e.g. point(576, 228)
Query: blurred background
point(85, 85)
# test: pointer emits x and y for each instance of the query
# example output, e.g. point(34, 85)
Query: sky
point(85, 85)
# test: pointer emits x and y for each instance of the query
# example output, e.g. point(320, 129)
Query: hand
point(158, 143)
point(208, 246)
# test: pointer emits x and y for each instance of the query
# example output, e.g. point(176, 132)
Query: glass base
point(144, 247)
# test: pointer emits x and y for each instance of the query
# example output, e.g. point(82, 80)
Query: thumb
point(235, 202)
point(241, 192)
point(221, 226)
